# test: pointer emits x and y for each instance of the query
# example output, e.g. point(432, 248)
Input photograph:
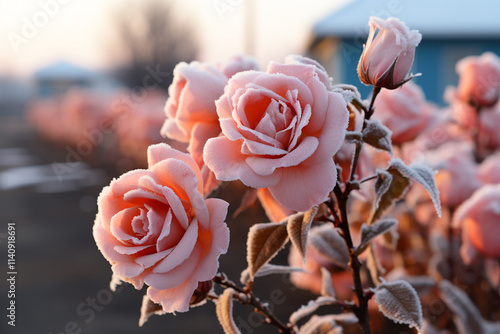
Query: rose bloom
point(281, 129)
point(388, 54)
point(404, 111)
point(479, 218)
point(155, 227)
point(479, 79)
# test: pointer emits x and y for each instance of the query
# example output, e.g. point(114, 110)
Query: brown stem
point(362, 310)
point(359, 145)
point(251, 299)
point(476, 134)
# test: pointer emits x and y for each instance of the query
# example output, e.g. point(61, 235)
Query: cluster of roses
point(297, 139)
point(87, 121)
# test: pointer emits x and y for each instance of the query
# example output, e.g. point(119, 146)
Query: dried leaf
point(399, 302)
point(248, 199)
point(267, 269)
point(423, 175)
point(377, 135)
point(328, 242)
point(390, 186)
point(374, 266)
point(224, 311)
point(298, 227)
point(368, 233)
point(308, 309)
point(264, 242)
point(467, 317)
point(149, 308)
point(326, 283)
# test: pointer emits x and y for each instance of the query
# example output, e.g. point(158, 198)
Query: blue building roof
point(433, 18)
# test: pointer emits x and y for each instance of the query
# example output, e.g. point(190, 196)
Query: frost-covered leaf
point(353, 137)
point(264, 242)
point(224, 311)
point(466, 316)
point(422, 284)
point(377, 135)
point(298, 227)
point(267, 269)
point(328, 242)
point(326, 283)
point(369, 232)
point(423, 175)
point(325, 324)
point(399, 302)
point(248, 199)
point(390, 186)
point(308, 309)
point(149, 308)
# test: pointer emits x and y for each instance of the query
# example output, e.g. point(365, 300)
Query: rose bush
point(155, 227)
point(281, 129)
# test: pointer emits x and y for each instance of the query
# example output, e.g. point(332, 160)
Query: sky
point(35, 33)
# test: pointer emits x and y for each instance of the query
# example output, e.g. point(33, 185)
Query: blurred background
point(82, 90)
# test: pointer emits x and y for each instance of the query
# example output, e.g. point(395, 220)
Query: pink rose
point(388, 54)
point(488, 127)
point(281, 129)
point(404, 111)
point(190, 108)
point(479, 218)
point(479, 79)
point(457, 178)
point(155, 227)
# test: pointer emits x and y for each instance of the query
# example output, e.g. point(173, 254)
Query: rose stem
point(362, 310)
point(255, 302)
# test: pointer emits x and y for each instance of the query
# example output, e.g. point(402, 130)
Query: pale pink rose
point(488, 171)
point(404, 111)
point(388, 54)
point(479, 218)
point(237, 64)
point(155, 227)
point(190, 108)
point(479, 79)
point(457, 178)
point(281, 130)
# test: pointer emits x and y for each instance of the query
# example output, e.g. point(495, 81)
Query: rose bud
point(388, 54)
point(479, 80)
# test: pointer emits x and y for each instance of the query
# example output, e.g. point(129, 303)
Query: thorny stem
point(362, 309)
point(363, 297)
point(251, 299)
point(359, 145)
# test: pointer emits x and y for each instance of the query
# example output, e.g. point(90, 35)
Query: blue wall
point(435, 59)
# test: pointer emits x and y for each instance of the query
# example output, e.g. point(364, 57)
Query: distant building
point(56, 79)
point(451, 30)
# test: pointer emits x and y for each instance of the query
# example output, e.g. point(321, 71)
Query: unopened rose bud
point(388, 54)
point(479, 82)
